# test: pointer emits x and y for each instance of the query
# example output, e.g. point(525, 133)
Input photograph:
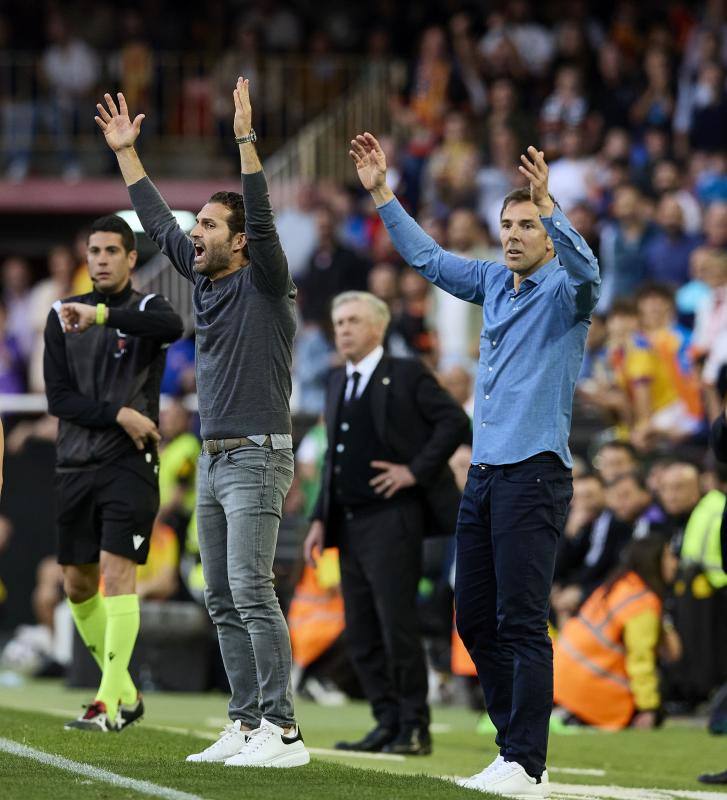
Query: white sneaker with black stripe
point(509, 779)
point(231, 740)
point(268, 746)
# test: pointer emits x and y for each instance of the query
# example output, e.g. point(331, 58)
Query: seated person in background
point(651, 409)
point(596, 549)
point(678, 492)
point(671, 342)
point(615, 458)
point(605, 660)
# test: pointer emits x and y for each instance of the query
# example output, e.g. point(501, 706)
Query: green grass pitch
point(582, 765)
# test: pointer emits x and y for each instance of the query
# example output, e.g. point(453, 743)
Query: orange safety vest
point(315, 618)
point(590, 678)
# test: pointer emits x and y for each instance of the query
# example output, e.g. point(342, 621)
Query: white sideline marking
point(595, 773)
point(320, 751)
point(79, 768)
point(570, 791)
point(580, 791)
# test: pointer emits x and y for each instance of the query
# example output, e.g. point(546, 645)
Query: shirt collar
point(367, 364)
point(113, 299)
point(537, 277)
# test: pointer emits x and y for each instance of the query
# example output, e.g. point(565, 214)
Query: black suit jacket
point(423, 426)
point(719, 445)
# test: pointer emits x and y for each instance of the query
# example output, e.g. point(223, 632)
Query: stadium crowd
point(629, 104)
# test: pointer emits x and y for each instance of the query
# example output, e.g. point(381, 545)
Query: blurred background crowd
point(629, 102)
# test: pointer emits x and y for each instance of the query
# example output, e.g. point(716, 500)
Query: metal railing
point(187, 99)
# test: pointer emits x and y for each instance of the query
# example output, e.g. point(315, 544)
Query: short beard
point(217, 259)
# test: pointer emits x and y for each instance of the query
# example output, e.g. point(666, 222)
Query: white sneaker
point(509, 779)
point(478, 781)
point(231, 740)
point(268, 746)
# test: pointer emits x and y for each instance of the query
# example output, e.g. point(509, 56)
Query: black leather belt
point(213, 446)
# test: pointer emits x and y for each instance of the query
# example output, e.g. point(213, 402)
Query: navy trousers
point(510, 519)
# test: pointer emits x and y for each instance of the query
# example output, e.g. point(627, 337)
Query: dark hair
point(521, 195)
point(617, 444)
point(235, 204)
point(623, 307)
point(642, 556)
point(655, 289)
point(634, 475)
point(112, 223)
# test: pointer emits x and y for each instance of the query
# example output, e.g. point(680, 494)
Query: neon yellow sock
point(90, 619)
point(122, 626)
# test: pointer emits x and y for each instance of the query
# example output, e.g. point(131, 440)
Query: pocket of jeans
point(523, 475)
point(282, 480)
point(249, 457)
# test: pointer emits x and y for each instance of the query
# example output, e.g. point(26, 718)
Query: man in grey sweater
point(244, 309)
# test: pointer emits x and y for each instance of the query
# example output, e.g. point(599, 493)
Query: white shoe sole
point(283, 761)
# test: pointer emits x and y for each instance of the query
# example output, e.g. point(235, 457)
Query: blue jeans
point(510, 519)
point(240, 496)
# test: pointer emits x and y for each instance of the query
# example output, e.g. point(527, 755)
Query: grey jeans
point(240, 497)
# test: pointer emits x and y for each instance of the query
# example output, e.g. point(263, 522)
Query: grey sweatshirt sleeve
point(161, 226)
point(267, 260)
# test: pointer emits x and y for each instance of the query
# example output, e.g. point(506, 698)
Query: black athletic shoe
point(373, 742)
point(717, 778)
point(94, 719)
point(129, 714)
point(411, 741)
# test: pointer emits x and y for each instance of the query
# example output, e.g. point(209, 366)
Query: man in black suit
point(385, 483)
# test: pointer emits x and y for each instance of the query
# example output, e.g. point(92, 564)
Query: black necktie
point(355, 377)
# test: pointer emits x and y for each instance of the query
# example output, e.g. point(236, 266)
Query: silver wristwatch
point(251, 137)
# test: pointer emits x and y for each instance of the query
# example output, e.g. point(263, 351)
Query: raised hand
point(243, 110)
point(117, 127)
point(535, 170)
point(370, 161)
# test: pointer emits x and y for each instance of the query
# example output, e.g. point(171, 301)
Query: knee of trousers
point(219, 603)
point(514, 629)
point(475, 629)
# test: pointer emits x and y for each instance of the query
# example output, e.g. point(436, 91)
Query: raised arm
point(158, 221)
point(461, 277)
point(583, 285)
point(267, 260)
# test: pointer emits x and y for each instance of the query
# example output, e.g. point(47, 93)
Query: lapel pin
point(386, 381)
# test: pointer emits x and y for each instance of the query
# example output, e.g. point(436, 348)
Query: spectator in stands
point(671, 341)
point(15, 279)
point(615, 93)
point(667, 177)
point(655, 104)
point(624, 244)
point(564, 109)
point(449, 179)
point(605, 660)
point(614, 459)
point(70, 70)
point(331, 269)
point(178, 454)
point(570, 175)
point(412, 322)
point(678, 492)
point(58, 285)
point(458, 323)
point(314, 358)
point(498, 177)
point(297, 228)
point(179, 377)
point(532, 43)
point(711, 317)
point(592, 553)
point(12, 364)
point(668, 252)
point(705, 110)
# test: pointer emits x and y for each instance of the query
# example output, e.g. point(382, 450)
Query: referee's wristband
point(100, 314)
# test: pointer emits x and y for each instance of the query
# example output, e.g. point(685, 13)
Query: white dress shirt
point(365, 369)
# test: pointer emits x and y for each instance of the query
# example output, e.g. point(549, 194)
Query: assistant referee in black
point(103, 365)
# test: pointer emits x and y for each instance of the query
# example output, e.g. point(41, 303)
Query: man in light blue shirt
point(536, 313)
